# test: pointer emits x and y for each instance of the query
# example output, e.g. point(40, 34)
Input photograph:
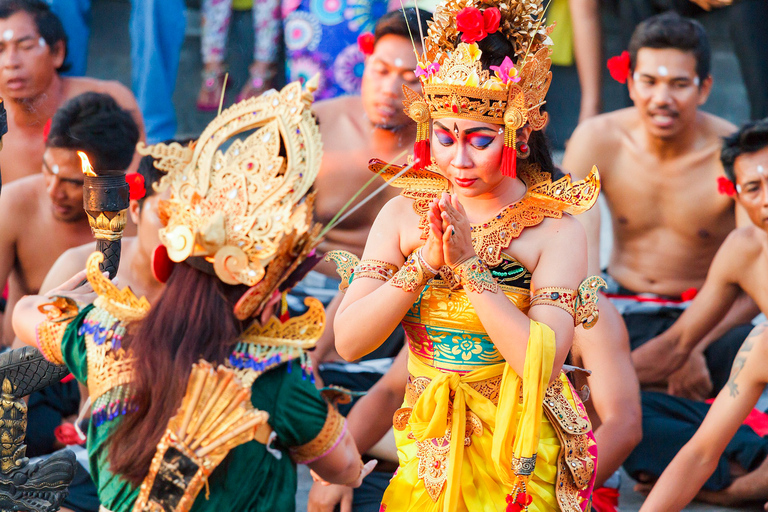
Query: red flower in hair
point(491, 19)
point(474, 25)
point(619, 67)
point(136, 185)
point(365, 42)
point(725, 186)
point(47, 129)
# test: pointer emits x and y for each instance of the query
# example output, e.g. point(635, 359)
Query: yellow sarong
point(448, 462)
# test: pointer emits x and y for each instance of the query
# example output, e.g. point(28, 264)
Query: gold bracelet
point(59, 313)
point(474, 276)
point(563, 298)
point(375, 269)
point(412, 274)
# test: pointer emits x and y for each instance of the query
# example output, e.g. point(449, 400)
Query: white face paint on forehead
point(7, 35)
point(761, 170)
point(663, 71)
point(55, 169)
point(399, 63)
point(41, 41)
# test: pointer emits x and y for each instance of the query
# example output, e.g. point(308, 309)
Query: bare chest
point(678, 196)
point(40, 244)
point(21, 156)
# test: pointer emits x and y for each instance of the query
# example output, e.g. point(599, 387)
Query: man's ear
point(704, 89)
point(58, 53)
point(134, 210)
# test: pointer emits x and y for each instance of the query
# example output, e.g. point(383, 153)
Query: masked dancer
point(207, 388)
point(485, 268)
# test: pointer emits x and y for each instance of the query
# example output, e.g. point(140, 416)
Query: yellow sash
point(511, 438)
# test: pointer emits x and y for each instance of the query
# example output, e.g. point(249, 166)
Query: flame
point(86, 164)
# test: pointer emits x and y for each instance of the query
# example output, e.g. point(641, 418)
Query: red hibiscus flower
point(365, 43)
point(136, 185)
point(619, 67)
point(725, 186)
point(470, 23)
point(491, 19)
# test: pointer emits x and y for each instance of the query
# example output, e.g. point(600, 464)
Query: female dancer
point(471, 259)
point(162, 419)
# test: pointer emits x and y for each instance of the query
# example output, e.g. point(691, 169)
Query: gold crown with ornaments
point(454, 83)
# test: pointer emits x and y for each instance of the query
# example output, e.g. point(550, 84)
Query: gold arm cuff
point(563, 298)
point(60, 311)
point(412, 274)
point(333, 430)
point(474, 276)
point(49, 336)
point(375, 269)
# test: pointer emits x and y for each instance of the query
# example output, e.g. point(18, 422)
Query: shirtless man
point(658, 162)
point(42, 216)
point(741, 264)
point(136, 259)
point(33, 46)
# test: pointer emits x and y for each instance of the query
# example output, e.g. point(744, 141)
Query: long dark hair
point(192, 319)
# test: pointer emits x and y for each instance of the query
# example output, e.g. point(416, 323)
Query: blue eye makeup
point(480, 141)
point(443, 137)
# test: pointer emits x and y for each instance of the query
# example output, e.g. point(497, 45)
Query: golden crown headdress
point(455, 84)
point(238, 196)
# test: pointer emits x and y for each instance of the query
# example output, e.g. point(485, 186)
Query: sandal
point(260, 81)
point(210, 90)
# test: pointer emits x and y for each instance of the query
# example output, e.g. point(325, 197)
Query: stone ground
point(109, 58)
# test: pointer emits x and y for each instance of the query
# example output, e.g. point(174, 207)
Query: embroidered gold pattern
point(433, 463)
point(375, 269)
point(563, 298)
point(574, 466)
point(331, 433)
point(474, 276)
point(49, 336)
point(586, 301)
point(345, 266)
point(412, 274)
point(122, 304)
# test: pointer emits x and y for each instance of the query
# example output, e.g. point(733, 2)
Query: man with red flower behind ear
point(659, 164)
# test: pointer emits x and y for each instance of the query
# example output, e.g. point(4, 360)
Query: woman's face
point(469, 154)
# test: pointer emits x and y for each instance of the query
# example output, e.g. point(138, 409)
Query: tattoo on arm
point(741, 358)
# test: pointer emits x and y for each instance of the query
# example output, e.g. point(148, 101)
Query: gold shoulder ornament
point(216, 415)
point(122, 304)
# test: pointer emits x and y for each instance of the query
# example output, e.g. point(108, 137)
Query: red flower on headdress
point(619, 67)
point(365, 42)
point(136, 185)
point(474, 25)
point(725, 186)
point(47, 129)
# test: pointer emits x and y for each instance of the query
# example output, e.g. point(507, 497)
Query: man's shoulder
point(340, 106)
point(745, 243)
point(23, 191)
point(715, 127)
point(606, 128)
point(79, 85)
point(596, 141)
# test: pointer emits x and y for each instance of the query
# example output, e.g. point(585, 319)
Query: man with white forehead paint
point(33, 46)
point(659, 163)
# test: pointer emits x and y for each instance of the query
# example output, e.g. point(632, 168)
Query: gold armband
point(375, 269)
point(330, 435)
point(474, 276)
point(412, 274)
point(49, 332)
point(563, 298)
point(581, 304)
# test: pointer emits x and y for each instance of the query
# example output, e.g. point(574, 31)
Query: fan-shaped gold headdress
point(238, 196)
point(455, 84)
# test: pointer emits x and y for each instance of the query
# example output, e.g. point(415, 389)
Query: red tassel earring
point(419, 112)
point(509, 154)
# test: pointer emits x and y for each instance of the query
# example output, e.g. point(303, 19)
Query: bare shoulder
point(595, 140)
point(331, 110)
point(566, 227)
point(744, 244)
point(22, 195)
point(121, 94)
point(714, 127)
